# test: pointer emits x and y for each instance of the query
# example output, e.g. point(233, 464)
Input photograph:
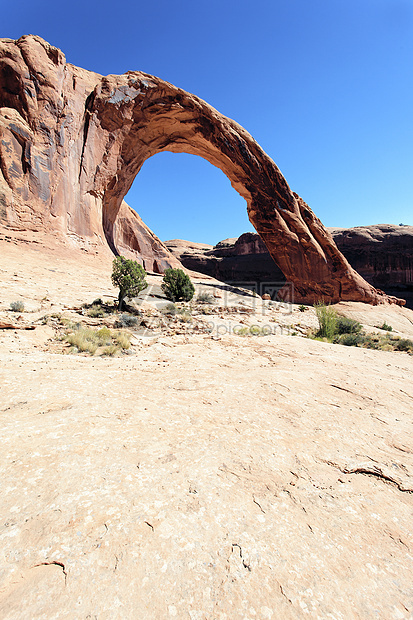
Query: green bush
point(350, 340)
point(347, 326)
point(327, 321)
point(17, 306)
point(177, 285)
point(387, 328)
point(129, 277)
point(404, 344)
point(302, 308)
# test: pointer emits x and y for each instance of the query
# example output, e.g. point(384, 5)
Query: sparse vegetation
point(404, 344)
point(85, 340)
point(17, 306)
point(327, 320)
point(346, 325)
point(302, 308)
point(129, 277)
point(170, 309)
point(127, 320)
point(96, 312)
point(386, 327)
point(184, 315)
point(177, 285)
point(205, 298)
point(348, 332)
point(349, 339)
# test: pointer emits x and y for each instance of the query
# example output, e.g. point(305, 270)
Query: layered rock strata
point(73, 141)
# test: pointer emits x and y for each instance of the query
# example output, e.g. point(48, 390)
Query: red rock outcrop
point(73, 141)
point(382, 254)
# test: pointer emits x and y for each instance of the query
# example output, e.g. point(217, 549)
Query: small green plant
point(177, 285)
point(347, 326)
point(205, 298)
point(350, 339)
point(386, 327)
point(17, 306)
point(327, 320)
point(129, 277)
point(302, 308)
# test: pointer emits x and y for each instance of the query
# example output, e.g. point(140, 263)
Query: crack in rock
point(371, 470)
point(54, 563)
point(245, 565)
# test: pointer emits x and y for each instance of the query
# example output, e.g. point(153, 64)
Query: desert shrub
point(89, 340)
point(127, 320)
point(122, 339)
point(169, 309)
point(103, 336)
point(110, 350)
point(350, 340)
point(129, 277)
point(347, 326)
point(83, 340)
point(177, 285)
point(96, 312)
point(302, 308)
point(97, 302)
point(327, 321)
point(404, 344)
point(386, 327)
point(17, 306)
point(205, 298)
point(185, 317)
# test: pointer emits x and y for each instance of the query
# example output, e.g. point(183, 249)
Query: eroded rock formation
point(73, 141)
point(382, 254)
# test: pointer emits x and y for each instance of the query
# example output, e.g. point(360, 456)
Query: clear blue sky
point(325, 86)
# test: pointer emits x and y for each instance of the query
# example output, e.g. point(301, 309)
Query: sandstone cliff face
point(44, 120)
point(382, 254)
point(73, 141)
point(245, 259)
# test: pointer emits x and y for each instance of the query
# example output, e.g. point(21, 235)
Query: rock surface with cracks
point(73, 141)
point(199, 477)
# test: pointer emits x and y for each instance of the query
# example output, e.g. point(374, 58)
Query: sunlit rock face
point(72, 142)
point(382, 254)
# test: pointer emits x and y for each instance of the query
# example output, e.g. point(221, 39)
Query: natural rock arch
point(81, 139)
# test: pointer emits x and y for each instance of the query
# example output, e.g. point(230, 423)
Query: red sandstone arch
point(147, 115)
point(72, 142)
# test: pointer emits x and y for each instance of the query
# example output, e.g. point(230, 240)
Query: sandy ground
point(203, 475)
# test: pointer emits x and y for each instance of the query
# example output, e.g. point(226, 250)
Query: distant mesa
point(73, 141)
